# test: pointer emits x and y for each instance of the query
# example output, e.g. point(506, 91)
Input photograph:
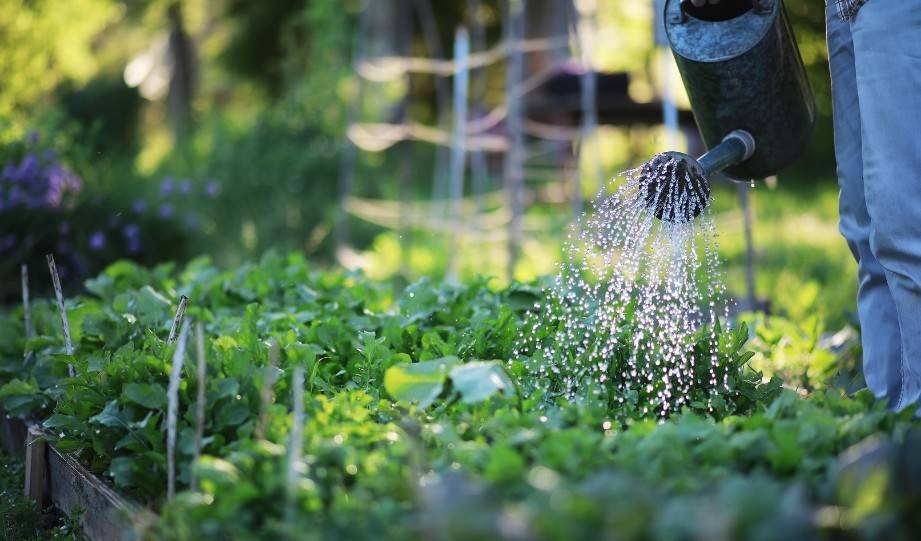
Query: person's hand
point(699, 3)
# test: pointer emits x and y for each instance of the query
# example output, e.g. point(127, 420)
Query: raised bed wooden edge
point(58, 478)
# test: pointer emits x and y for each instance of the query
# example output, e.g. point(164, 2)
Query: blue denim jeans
point(876, 86)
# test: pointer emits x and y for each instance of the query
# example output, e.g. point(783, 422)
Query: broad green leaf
point(110, 416)
point(478, 380)
point(21, 397)
point(418, 382)
point(149, 395)
point(231, 413)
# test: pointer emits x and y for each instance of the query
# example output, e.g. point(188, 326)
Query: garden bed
point(53, 477)
point(335, 408)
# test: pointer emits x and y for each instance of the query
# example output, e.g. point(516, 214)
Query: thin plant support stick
point(172, 396)
point(588, 85)
point(404, 233)
point(349, 160)
point(267, 394)
point(26, 307)
point(478, 165)
point(202, 374)
point(59, 295)
point(296, 441)
point(669, 107)
point(458, 147)
point(513, 173)
point(177, 321)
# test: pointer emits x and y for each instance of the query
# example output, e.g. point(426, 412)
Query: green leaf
point(225, 342)
point(418, 382)
point(149, 395)
point(231, 413)
point(504, 465)
point(110, 416)
point(478, 380)
point(20, 397)
point(225, 388)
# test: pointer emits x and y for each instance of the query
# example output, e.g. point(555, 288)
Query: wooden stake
point(59, 294)
point(267, 395)
point(458, 145)
point(26, 309)
point(172, 395)
point(177, 321)
point(36, 467)
point(200, 398)
point(296, 441)
point(514, 158)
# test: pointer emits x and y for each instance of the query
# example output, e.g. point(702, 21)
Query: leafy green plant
point(415, 420)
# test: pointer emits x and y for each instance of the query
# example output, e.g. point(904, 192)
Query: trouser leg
point(875, 306)
point(886, 36)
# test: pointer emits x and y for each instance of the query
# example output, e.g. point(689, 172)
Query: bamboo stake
point(266, 396)
point(172, 395)
point(458, 148)
point(59, 294)
point(514, 176)
point(26, 309)
point(200, 398)
point(177, 321)
point(296, 441)
point(348, 166)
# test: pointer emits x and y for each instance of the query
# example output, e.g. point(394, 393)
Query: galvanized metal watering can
point(746, 83)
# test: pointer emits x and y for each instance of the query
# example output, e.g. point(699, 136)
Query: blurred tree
point(256, 49)
point(182, 76)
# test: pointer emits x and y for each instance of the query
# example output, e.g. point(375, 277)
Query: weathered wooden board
point(106, 515)
point(59, 478)
point(36, 484)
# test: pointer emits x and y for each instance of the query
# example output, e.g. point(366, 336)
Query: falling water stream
point(635, 295)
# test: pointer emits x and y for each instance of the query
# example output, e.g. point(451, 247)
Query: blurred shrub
point(278, 188)
point(107, 112)
point(46, 207)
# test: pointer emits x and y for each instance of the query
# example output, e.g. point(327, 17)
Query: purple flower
point(185, 186)
point(115, 220)
point(212, 188)
point(132, 234)
point(32, 138)
point(28, 169)
point(97, 241)
point(166, 210)
point(139, 206)
point(64, 228)
point(167, 187)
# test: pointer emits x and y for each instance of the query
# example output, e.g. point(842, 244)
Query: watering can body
point(742, 71)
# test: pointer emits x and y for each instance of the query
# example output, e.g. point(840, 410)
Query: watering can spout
point(677, 186)
point(736, 147)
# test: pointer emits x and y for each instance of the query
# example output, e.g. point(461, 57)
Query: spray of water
point(634, 307)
